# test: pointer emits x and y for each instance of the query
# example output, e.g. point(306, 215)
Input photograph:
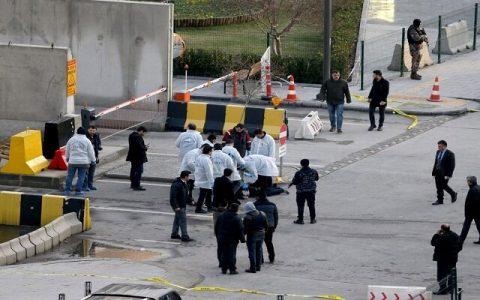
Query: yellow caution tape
point(166, 282)
point(395, 111)
point(243, 291)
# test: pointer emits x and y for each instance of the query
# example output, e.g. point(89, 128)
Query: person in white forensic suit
point(204, 179)
point(263, 144)
point(188, 164)
point(188, 140)
point(221, 161)
point(238, 163)
point(259, 170)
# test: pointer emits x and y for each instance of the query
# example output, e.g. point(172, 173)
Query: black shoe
point(437, 203)
point(298, 222)
point(258, 269)
point(440, 293)
point(380, 128)
point(271, 259)
point(200, 211)
point(332, 129)
point(415, 76)
point(175, 237)
point(187, 239)
point(454, 197)
point(313, 221)
point(477, 242)
point(224, 271)
point(372, 128)
point(250, 271)
point(138, 188)
point(234, 272)
point(339, 131)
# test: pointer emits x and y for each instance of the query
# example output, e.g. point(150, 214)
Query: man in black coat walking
point(472, 209)
point(378, 98)
point(334, 91)
point(447, 246)
point(137, 156)
point(94, 137)
point(442, 171)
point(305, 181)
point(270, 209)
point(178, 202)
point(229, 231)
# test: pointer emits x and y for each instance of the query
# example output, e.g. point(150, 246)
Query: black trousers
point(269, 243)
point(136, 171)
point(205, 196)
point(309, 197)
point(227, 254)
point(466, 226)
point(191, 185)
point(443, 271)
point(442, 184)
point(381, 113)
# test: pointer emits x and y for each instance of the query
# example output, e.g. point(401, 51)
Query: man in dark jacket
point(254, 225)
point(241, 139)
point(178, 201)
point(334, 90)
point(416, 36)
point(442, 171)
point(270, 209)
point(223, 194)
point(94, 137)
point(472, 208)
point(447, 246)
point(229, 231)
point(137, 156)
point(378, 98)
point(305, 181)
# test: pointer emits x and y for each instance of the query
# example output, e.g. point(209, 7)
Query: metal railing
point(377, 52)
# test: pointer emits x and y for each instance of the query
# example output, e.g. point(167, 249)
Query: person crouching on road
point(270, 209)
point(255, 225)
point(137, 156)
point(80, 156)
point(204, 179)
point(178, 201)
point(305, 181)
point(229, 231)
point(378, 98)
point(94, 137)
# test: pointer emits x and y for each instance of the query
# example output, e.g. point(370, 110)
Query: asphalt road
point(374, 225)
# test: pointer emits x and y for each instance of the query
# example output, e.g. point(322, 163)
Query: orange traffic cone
point(59, 162)
point(292, 94)
point(435, 96)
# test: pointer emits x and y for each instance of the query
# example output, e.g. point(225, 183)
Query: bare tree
point(275, 17)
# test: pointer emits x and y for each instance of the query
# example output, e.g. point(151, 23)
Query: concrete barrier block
point(72, 221)
point(20, 252)
point(55, 236)
point(37, 241)
point(426, 60)
point(454, 38)
point(7, 253)
point(42, 234)
point(3, 258)
point(27, 244)
point(62, 227)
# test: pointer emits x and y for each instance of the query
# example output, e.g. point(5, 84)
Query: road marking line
point(162, 154)
point(128, 182)
point(153, 241)
point(194, 216)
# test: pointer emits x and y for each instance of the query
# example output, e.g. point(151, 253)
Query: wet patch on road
point(87, 248)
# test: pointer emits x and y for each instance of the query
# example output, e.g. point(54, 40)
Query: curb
point(38, 241)
point(144, 178)
point(54, 182)
point(318, 104)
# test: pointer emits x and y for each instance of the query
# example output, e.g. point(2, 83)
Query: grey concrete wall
point(123, 49)
point(33, 82)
